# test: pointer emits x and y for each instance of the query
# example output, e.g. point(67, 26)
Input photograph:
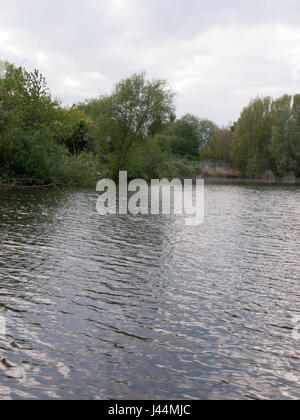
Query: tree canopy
point(135, 108)
point(190, 134)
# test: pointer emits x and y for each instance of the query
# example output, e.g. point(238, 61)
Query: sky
point(216, 54)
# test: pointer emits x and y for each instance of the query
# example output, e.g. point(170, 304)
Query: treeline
point(135, 128)
point(264, 143)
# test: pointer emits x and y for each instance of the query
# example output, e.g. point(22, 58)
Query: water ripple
point(144, 307)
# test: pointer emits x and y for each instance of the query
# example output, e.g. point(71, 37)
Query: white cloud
point(4, 36)
point(41, 57)
point(71, 82)
point(216, 57)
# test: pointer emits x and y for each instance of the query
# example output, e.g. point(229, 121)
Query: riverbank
point(208, 180)
point(274, 181)
point(216, 172)
point(28, 183)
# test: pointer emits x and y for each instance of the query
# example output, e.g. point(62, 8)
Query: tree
point(285, 145)
point(75, 131)
point(136, 108)
point(253, 133)
point(32, 126)
point(28, 123)
point(296, 106)
point(285, 100)
point(80, 140)
point(26, 100)
point(219, 147)
point(190, 134)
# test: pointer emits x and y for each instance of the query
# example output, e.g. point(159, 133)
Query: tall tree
point(126, 117)
point(296, 106)
point(219, 148)
point(190, 134)
point(253, 136)
point(29, 124)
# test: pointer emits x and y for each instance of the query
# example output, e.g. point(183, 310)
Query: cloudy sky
point(216, 54)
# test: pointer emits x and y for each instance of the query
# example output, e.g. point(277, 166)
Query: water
point(145, 307)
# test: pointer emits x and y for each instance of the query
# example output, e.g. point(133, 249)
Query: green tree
point(76, 133)
point(296, 106)
point(285, 100)
point(28, 122)
point(219, 148)
point(80, 140)
point(285, 145)
point(103, 125)
point(190, 134)
point(125, 118)
point(32, 125)
point(253, 134)
point(26, 100)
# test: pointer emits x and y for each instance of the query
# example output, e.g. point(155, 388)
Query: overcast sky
point(216, 54)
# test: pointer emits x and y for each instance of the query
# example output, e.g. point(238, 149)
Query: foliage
point(253, 134)
point(189, 134)
point(81, 170)
point(146, 160)
point(285, 145)
point(219, 148)
point(32, 125)
point(80, 139)
point(75, 131)
point(266, 137)
point(136, 108)
point(181, 168)
point(135, 129)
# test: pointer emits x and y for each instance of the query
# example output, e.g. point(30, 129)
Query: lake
point(144, 307)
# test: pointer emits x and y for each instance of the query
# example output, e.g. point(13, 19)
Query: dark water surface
point(145, 307)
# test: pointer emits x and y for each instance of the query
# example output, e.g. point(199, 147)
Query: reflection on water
point(145, 307)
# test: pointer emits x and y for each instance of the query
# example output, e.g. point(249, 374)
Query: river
point(144, 307)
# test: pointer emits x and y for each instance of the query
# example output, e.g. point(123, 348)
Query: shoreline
point(271, 181)
point(207, 179)
point(37, 186)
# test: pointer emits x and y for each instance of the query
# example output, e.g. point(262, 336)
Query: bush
point(146, 160)
point(285, 145)
point(32, 154)
point(219, 148)
point(181, 168)
point(81, 170)
point(256, 167)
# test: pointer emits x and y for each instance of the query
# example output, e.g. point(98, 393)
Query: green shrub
point(81, 170)
point(256, 167)
point(146, 160)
